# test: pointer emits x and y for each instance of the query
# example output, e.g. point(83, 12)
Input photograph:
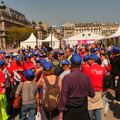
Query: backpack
point(51, 96)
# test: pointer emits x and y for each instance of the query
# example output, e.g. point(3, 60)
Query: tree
point(17, 34)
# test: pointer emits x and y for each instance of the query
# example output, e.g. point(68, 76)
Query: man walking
point(76, 86)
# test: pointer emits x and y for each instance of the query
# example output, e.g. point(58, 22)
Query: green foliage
point(17, 34)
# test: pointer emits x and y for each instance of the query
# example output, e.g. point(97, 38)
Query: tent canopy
point(31, 41)
point(32, 38)
point(48, 39)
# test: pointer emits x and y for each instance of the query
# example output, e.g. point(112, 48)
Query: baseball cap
point(96, 49)
point(65, 62)
point(7, 55)
point(34, 53)
point(47, 66)
point(116, 49)
point(93, 56)
point(28, 56)
point(1, 52)
point(41, 55)
point(23, 49)
point(29, 74)
point(2, 62)
point(17, 58)
point(86, 57)
point(76, 59)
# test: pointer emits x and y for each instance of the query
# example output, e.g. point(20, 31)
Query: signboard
point(80, 42)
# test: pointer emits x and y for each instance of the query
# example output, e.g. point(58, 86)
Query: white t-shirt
point(64, 74)
point(104, 62)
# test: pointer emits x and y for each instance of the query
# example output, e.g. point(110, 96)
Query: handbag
point(38, 116)
point(18, 100)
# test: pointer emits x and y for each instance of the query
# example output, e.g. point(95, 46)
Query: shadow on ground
point(113, 107)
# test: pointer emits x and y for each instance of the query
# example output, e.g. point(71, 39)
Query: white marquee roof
point(32, 38)
point(31, 41)
point(48, 39)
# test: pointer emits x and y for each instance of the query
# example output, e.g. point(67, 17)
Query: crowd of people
point(60, 84)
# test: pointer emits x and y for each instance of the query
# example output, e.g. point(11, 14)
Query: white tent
point(31, 41)
point(55, 41)
point(84, 37)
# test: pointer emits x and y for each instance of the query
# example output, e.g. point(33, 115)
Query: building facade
point(9, 18)
point(104, 29)
point(43, 30)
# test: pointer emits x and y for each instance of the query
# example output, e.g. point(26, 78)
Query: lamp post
point(51, 32)
point(51, 39)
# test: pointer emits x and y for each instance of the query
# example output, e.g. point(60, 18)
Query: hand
point(59, 118)
point(38, 109)
point(2, 85)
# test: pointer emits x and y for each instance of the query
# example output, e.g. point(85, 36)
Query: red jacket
point(2, 80)
point(96, 74)
point(18, 67)
point(28, 65)
point(85, 68)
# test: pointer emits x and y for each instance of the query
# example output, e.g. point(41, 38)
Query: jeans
point(95, 114)
point(28, 109)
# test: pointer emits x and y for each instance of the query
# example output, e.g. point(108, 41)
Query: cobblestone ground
point(114, 108)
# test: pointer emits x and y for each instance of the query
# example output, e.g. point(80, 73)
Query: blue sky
point(57, 12)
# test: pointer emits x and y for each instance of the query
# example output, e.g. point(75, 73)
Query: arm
point(90, 88)
point(60, 83)
point(38, 101)
point(40, 82)
point(19, 90)
point(63, 97)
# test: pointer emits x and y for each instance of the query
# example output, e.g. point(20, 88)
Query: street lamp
point(51, 32)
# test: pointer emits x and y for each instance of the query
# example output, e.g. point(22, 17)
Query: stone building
point(105, 29)
point(9, 18)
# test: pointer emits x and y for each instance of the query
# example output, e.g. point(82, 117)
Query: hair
point(49, 72)
point(75, 65)
point(55, 56)
point(30, 78)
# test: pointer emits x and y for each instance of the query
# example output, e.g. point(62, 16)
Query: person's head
point(65, 64)
point(61, 56)
point(86, 57)
point(2, 63)
point(50, 54)
point(93, 58)
point(35, 55)
point(76, 60)
point(96, 51)
point(42, 56)
point(82, 50)
point(29, 75)
point(17, 59)
point(93, 45)
point(28, 57)
point(55, 56)
point(7, 58)
point(47, 67)
point(68, 52)
point(102, 51)
point(102, 56)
